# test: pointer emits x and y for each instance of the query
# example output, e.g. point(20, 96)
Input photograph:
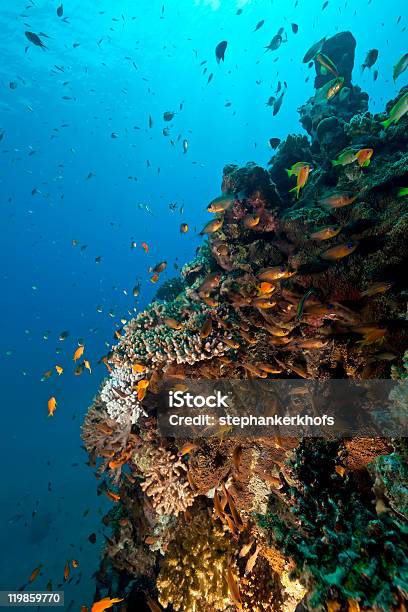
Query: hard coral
point(120, 397)
point(165, 480)
point(192, 574)
point(105, 437)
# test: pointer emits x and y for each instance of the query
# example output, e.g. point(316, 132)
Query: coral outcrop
point(192, 574)
point(304, 284)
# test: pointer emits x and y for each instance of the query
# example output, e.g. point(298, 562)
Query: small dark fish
point(271, 101)
point(295, 28)
point(220, 51)
point(150, 121)
point(168, 115)
point(92, 538)
point(239, 12)
point(375, 75)
point(278, 104)
point(60, 10)
point(325, 5)
point(259, 25)
point(13, 85)
point(63, 335)
point(314, 50)
point(210, 78)
point(370, 59)
point(36, 40)
point(275, 42)
point(274, 142)
point(160, 267)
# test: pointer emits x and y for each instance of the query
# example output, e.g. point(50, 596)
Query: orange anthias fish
point(371, 334)
point(301, 179)
point(266, 287)
point(154, 278)
point(251, 221)
point(325, 233)
point(145, 247)
point(34, 573)
point(233, 587)
point(264, 303)
point(141, 389)
point(275, 273)
point(75, 563)
point(52, 405)
point(104, 604)
point(337, 200)
point(380, 287)
point(113, 496)
point(79, 352)
point(212, 226)
point(187, 448)
point(88, 366)
point(172, 323)
point(339, 251)
point(206, 328)
point(59, 370)
point(364, 157)
point(66, 571)
point(138, 368)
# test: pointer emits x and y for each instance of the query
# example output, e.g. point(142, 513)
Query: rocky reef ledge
point(288, 284)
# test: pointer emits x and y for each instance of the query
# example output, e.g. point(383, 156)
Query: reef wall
point(290, 284)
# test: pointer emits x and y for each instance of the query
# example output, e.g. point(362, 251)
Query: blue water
point(133, 60)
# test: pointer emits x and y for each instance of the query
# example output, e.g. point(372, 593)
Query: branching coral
point(106, 438)
point(165, 481)
point(120, 397)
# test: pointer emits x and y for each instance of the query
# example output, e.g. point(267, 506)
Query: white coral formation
point(165, 481)
point(120, 397)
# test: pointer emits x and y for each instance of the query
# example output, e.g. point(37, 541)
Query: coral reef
point(304, 284)
point(343, 549)
point(192, 574)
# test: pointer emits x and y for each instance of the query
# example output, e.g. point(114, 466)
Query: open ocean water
point(87, 175)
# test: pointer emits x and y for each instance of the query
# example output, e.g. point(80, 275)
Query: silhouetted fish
point(220, 50)
point(36, 40)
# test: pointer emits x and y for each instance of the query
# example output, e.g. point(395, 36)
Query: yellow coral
point(192, 575)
